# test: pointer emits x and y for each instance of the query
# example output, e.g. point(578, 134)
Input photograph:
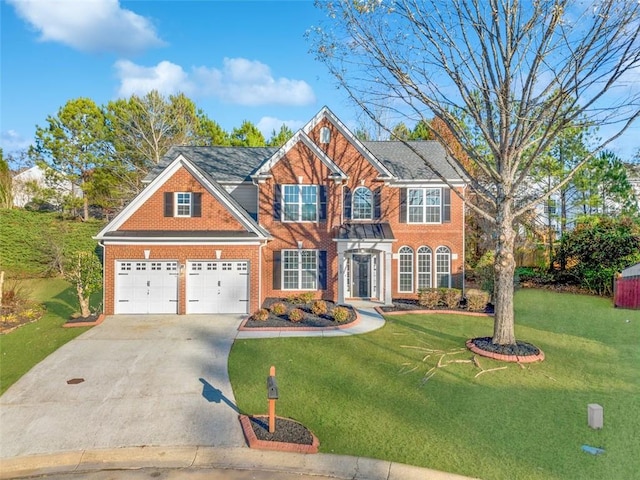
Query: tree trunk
point(505, 265)
point(86, 207)
point(84, 302)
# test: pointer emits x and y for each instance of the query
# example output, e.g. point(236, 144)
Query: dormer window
point(362, 208)
point(325, 135)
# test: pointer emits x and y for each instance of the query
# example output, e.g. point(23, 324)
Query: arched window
point(325, 135)
point(405, 270)
point(362, 204)
point(443, 267)
point(424, 267)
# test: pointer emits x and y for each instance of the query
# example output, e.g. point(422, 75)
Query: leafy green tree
point(73, 145)
point(505, 77)
point(6, 191)
point(421, 131)
point(400, 132)
point(247, 135)
point(598, 248)
point(210, 133)
point(84, 272)
point(281, 137)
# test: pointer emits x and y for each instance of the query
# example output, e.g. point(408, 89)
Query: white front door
point(215, 286)
point(144, 286)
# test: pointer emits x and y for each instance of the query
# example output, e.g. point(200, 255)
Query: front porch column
point(341, 273)
point(387, 278)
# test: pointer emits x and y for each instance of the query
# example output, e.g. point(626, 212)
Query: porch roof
point(365, 231)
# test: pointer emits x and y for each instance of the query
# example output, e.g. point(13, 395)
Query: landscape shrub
point(17, 307)
point(296, 315)
point(300, 298)
point(340, 314)
point(450, 297)
point(261, 315)
point(278, 308)
point(429, 297)
point(477, 300)
point(319, 307)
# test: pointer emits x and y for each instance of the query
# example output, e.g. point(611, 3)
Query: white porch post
point(341, 273)
point(387, 278)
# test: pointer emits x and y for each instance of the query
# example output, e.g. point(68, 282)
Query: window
point(424, 267)
point(325, 135)
point(443, 267)
point(405, 270)
point(550, 207)
point(300, 269)
point(425, 205)
point(300, 203)
point(362, 208)
point(183, 204)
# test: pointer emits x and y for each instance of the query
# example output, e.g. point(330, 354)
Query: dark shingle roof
point(407, 165)
point(365, 231)
point(225, 164)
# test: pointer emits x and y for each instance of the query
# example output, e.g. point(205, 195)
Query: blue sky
point(238, 60)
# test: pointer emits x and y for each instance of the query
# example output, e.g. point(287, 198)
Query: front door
point(361, 271)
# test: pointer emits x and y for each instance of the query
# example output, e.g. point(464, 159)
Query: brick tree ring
point(521, 352)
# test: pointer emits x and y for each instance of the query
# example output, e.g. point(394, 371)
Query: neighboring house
point(220, 229)
point(26, 183)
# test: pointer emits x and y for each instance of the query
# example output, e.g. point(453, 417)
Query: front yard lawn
point(367, 396)
point(26, 346)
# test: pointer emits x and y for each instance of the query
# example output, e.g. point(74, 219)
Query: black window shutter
point(377, 211)
point(277, 274)
point(403, 205)
point(196, 207)
point(168, 204)
point(347, 203)
point(322, 269)
point(322, 214)
point(277, 202)
point(446, 205)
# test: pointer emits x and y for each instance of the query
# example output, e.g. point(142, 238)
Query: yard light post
point(272, 396)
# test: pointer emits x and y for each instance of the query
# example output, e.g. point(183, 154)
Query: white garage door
point(217, 286)
point(144, 286)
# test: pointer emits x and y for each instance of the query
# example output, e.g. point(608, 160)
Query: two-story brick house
point(220, 229)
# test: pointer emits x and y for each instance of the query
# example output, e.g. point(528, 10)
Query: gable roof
point(212, 186)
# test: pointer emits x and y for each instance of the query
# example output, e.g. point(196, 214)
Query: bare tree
point(506, 78)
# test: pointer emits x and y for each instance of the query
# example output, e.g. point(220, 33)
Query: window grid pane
point(442, 267)
point(432, 205)
point(300, 203)
point(300, 269)
point(405, 268)
point(424, 267)
point(183, 204)
point(362, 208)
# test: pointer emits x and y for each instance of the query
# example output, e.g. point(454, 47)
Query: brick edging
point(254, 442)
point(242, 327)
point(98, 321)
point(449, 312)
point(505, 358)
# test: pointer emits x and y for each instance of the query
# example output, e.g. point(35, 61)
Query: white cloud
point(89, 25)
point(268, 124)
point(239, 82)
point(166, 77)
point(12, 141)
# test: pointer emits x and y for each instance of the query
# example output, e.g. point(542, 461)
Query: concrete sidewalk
point(210, 463)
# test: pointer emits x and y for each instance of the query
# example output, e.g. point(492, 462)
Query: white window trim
point(400, 272)
point(424, 205)
point(353, 204)
point(429, 274)
point(282, 270)
point(435, 269)
point(176, 205)
point(299, 203)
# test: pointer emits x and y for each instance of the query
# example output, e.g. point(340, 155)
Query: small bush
point(477, 301)
point(261, 315)
point(450, 297)
point(296, 315)
point(278, 308)
point(485, 272)
point(319, 307)
point(340, 314)
point(429, 297)
point(300, 298)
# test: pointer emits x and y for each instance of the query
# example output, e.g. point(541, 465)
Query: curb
point(505, 358)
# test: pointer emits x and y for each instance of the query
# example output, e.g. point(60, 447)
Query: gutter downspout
point(104, 289)
point(464, 239)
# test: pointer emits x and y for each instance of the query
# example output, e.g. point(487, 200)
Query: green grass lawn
point(26, 346)
point(365, 395)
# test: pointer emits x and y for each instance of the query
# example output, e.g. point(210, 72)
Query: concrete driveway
point(143, 381)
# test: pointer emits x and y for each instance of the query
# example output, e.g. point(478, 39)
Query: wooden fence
point(627, 293)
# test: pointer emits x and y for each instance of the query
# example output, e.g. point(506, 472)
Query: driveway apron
point(131, 381)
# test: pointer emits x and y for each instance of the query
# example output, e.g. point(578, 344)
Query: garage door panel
point(144, 287)
point(217, 286)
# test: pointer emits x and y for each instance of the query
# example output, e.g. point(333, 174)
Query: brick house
point(220, 229)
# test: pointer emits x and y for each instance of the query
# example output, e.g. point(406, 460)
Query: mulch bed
point(407, 304)
point(521, 349)
point(310, 319)
point(287, 431)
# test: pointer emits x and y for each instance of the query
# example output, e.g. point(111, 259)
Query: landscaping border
point(254, 442)
point(98, 321)
point(242, 327)
point(505, 358)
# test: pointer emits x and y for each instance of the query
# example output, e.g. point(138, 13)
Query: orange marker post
point(272, 395)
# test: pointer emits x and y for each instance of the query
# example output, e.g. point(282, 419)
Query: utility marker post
point(272, 395)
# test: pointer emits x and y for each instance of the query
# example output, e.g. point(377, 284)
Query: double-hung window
point(300, 203)
point(425, 205)
point(424, 267)
point(300, 269)
point(405, 270)
point(183, 204)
